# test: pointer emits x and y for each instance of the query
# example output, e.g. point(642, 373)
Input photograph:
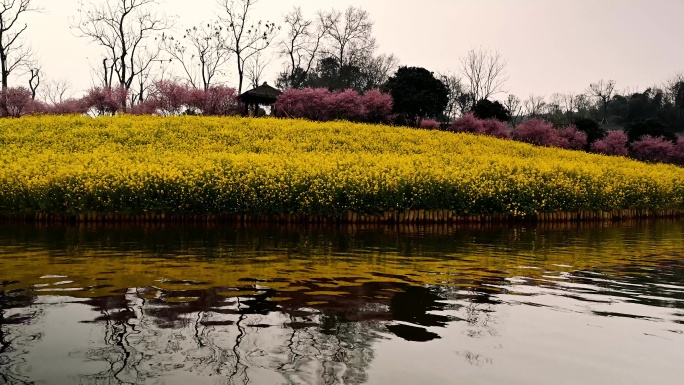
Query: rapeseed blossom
point(205, 165)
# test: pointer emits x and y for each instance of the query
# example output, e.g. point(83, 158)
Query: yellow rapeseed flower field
point(205, 165)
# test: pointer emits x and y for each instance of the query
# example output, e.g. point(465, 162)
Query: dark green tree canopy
point(486, 109)
point(652, 127)
point(417, 94)
point(591, 128)
point(329, 74)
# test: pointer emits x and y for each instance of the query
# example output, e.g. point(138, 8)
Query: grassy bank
point(139, 167)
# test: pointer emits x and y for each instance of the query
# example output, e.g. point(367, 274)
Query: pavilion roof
point(263, 94)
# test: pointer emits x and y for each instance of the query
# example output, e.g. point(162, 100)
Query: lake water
point(590, 304)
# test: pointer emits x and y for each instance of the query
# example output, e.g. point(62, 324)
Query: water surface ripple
point(343, 305)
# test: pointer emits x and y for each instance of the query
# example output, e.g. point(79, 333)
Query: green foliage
point(591, 128)
point(652, 127)
point(331, 75)
point(417, 94)
point(486, 109)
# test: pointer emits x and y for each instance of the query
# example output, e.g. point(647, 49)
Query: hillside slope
point(215, 166)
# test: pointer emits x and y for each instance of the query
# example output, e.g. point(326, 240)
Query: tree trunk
point(5, 75)
point(107, 84)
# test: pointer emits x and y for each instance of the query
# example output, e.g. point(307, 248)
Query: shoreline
point(424, 217)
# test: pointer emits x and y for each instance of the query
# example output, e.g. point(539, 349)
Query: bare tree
point(34, 80)
point(674, 87)
point(246, 38)
point(301, 46)
point(555, 104)
point(603, 91)
point(124, 28)
point(569, 104)
point(672, 83)
point(484, 72)
point(56, 91)
point(254, 69)
point(378, 69)
point(514, 107)
point(13, 51)
point(534, 106)
point(350, 35)
point(465, 102)
point(201, 53)
point(106, 77)
point(454, 85)
point(147, 76)
point(583, 104)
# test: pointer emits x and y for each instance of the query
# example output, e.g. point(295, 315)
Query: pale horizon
point(550, 47)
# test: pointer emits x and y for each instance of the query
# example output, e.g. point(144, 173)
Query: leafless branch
point(56, 91)
point(124, 29)
point(350, 35)
point(201, 53)
point(603, 91)
point(454, 85)
point(247, 38)
point(34, 80)
point(255, 68)
point(302, 45)
point(515, 108)
point(484, 72)
point(534, 106)
point(378, 69)
point(13, 52)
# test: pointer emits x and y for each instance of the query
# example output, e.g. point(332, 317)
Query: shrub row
point(320, 104)
point(164, 98)
point(542, 133)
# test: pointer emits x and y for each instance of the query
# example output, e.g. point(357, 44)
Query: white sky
point(551, 45)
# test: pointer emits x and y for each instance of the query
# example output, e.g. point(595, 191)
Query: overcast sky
point(550, 45)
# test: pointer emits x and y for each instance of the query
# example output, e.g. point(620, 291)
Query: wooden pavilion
point(264, 95)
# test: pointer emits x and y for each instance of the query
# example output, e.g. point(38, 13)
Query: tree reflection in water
point(17, 311)
point(175, 304)
point(148, 333)
point(307, 338)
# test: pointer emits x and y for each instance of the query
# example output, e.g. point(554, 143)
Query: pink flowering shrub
point(67, 107)
point(104, 100)
point(467, 123)
point(496, 128)
point(215, 101)
point(322, 105)
point(345, 105)
point(614, 143)
point(678, 151)
point(16, 102)
point(576, 139)
point(170, 98)
point(308, 103)
point(540, 132)
point(429, 124)
point(148, 107)
point(471, 124)
point(40, 108)
point(652, 149)
point(377, 106)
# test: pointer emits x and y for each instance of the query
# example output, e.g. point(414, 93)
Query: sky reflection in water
point(294, 305)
